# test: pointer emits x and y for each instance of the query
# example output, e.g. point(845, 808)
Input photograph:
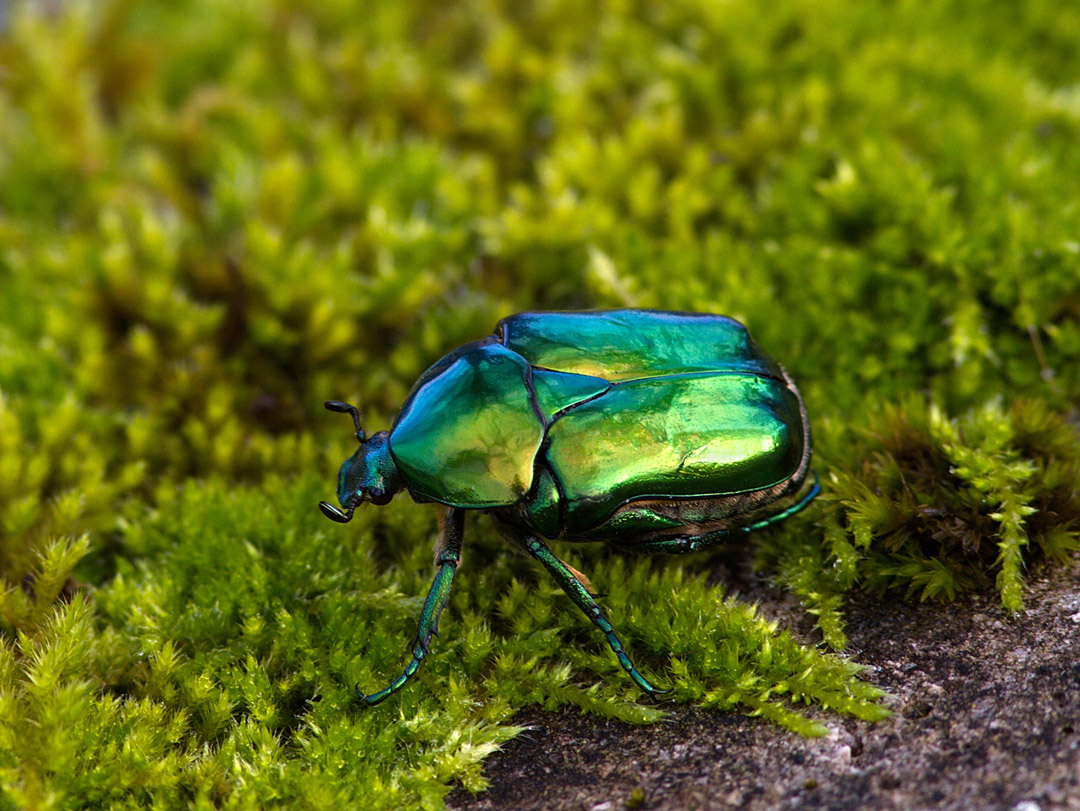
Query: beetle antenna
point(346, 408)
point(334, 514)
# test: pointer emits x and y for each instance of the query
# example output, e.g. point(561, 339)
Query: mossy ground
point(215, 216)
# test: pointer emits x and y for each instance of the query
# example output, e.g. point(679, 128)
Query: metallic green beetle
point(654, 431)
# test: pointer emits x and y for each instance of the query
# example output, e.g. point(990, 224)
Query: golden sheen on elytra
point(653, 431)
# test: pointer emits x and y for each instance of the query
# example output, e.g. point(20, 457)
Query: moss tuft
point(214, 216)
point(933, 506)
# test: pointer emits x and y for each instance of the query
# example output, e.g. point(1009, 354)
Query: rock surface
point(987, 716)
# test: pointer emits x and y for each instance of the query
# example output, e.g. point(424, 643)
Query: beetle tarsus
point(370, 700)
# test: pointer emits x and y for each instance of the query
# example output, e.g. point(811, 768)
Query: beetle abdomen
point(680, 436)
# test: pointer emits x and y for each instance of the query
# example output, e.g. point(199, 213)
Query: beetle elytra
point(649, 430)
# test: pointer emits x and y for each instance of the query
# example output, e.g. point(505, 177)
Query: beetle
point(650, 430)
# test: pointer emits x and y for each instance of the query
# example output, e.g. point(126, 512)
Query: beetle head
point(370, 474)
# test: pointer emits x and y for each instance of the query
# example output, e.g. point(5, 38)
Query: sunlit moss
point(215, 216)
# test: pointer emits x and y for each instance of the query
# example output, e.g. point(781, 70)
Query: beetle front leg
point(447, 557)
point(579, 593)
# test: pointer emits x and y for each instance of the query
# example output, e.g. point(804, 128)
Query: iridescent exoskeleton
point(649, 430)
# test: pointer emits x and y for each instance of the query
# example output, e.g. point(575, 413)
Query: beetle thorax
point(369, 474)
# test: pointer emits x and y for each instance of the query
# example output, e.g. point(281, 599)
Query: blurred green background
point(214, 216)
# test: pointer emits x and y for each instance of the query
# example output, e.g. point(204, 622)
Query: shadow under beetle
point(653, 431)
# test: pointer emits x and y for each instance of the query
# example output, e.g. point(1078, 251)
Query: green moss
point(215, 216)
point(934, 506)
point(218, 663)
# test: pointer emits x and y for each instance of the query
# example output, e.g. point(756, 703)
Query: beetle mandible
point(654, 431)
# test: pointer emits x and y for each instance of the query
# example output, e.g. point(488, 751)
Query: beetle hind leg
point(571, 581)
point(447, 557)
point(684, 544)
point(798, 506)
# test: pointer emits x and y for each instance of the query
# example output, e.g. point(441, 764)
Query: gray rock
point(987, 716)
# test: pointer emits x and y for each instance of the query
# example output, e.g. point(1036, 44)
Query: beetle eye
point(379, 496)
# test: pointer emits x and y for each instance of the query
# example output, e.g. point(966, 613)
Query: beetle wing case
point(617, 345)
point(607, 408)
point(687, 436)
point(694, 409)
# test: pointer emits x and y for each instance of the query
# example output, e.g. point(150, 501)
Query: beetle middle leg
point(447, 557)
point(570, 580)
